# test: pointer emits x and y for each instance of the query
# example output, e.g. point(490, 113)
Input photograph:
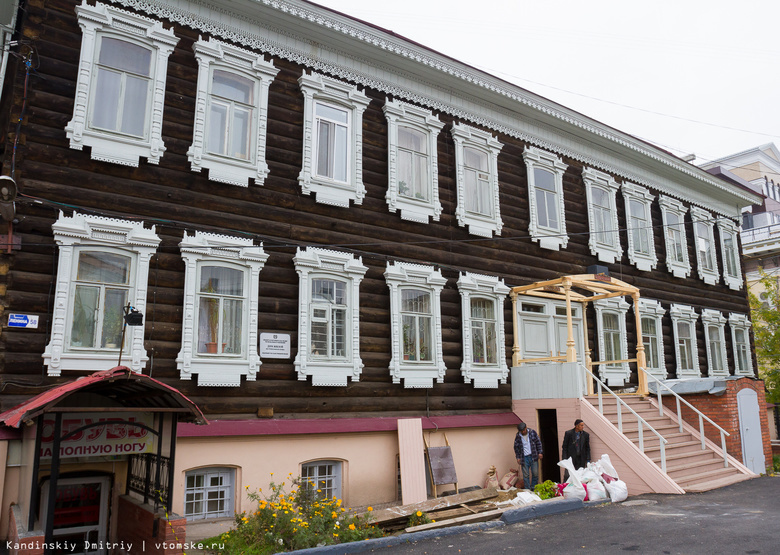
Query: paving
point(742, 518)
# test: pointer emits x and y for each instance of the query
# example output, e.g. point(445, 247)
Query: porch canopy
point(581, 288)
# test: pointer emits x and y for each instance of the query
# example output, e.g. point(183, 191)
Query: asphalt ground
point(743, 518)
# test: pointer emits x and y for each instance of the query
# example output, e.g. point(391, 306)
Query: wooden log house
point(320, 222)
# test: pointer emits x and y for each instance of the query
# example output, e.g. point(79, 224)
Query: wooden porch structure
point(582, 288)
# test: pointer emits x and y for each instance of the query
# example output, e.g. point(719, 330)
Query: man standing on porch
point(528, 451)
point(576, 444)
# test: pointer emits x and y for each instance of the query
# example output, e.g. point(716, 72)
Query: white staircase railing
point(641, 422)
point(702, 417)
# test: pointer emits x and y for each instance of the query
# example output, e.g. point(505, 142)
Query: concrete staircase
point(694, 469)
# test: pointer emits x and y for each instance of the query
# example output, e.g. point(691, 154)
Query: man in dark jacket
point(576, 444)
point(528, 451)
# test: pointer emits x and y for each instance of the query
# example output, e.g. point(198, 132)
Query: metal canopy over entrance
point(123, 404)
point(583, 289)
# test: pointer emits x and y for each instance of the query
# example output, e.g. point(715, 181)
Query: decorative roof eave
point(536, 119)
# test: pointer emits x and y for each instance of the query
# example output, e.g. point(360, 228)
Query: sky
point(690, 76)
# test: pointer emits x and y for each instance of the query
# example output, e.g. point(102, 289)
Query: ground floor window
point(209, 493)
point(324, 477)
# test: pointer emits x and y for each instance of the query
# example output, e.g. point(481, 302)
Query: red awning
point(120, 386)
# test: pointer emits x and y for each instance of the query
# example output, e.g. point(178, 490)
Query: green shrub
point(776, 463)
point(418, 519)
point(546, 490)
point(296, 520)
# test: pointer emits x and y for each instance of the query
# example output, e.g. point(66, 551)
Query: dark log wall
point(175, 199)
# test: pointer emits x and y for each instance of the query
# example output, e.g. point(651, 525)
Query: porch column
point(571, 346)
point(641, 362)
point(515, 337)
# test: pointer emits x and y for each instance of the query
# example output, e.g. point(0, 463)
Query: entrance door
point(750, 431)
point(543, 328)
point(80, 513)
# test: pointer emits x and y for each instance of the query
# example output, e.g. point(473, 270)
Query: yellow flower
point(351, 526)
point(335, 535)
point(247, 486)
point(370, 509)
point(319, 491)
point(419, 513)
point(333, 514)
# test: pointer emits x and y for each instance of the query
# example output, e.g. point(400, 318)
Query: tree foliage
point(765, 313)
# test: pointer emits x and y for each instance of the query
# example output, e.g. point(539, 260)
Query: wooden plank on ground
point(467, 519)
point(403, 511)
point(461, 510)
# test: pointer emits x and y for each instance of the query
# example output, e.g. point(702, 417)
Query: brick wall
point(19, 542)
point(722, 409)
point(137, 526)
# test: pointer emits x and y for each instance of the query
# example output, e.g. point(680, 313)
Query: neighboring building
point(321, 223)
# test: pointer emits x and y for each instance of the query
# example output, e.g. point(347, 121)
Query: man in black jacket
point(576, 444)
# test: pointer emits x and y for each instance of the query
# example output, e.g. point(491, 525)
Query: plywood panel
point(411, 451)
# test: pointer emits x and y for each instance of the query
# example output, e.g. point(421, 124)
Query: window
point(687, 353)
point(231, 110)
point(673, 213)
point(714, 329)
point(652, 336)
point(545, 198)
point(120, 90)
point(604, 240)
point(740, 342)
point(332, 140)
point(413, 184)
point(641, 245)
point(103, 266)
point(328, 316)
point(219, 329)
point(476, 158)
point(729, 248)
point(484, 345)
point(705, 246)
point(324, 477)
point(415, 317)
point(208, 493)
point(612, 340)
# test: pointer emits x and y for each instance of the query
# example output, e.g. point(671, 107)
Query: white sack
point(596, 490)
point(618, 490)
point(574, 487)
point(606, 466)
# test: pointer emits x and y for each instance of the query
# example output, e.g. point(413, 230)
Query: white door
point(80, 513)
point(750, 431)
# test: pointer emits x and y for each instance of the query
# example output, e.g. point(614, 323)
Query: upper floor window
point(641, 245)
point(328, 316)
point(714, 328)
point(484, 345)
point(612, 340)
point(120, 89)
point(476, 157)
point(740, 342)
point(545, 198)
point(652, 336)
point(219, 330)
point(415, 318)
point(413, 184)
point(231, 111)
point(103, 267)
point(687, 353)
point(209, 493)
point(707, 264)
point(332, 140)
point(604, 240)
point(673, 213)
point(729, 249)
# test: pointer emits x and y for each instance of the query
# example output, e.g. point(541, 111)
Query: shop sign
point(112, 438)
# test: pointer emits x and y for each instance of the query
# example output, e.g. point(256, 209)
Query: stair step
point(679, 472)
point(709, 476)
point(718, 483)
point(688, 457)
point(674, 445)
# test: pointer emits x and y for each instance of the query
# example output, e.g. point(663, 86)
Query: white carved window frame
point(670, 206)
point(741, 322)
point(552, 239)
point(684, 313)
point(643, 261)
point(399, 275)
point(216, 55)
point(649, 308)
point(209, 249)
point(99, 21)
point(71, 233)
point(466, 136)
point(319, 88)
point(728, 227)
point(618, 374)
point(605, 252)
point(709, 276)
point(716, 319)
point(494, 289)
point(401, 114)
point(313, 263)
